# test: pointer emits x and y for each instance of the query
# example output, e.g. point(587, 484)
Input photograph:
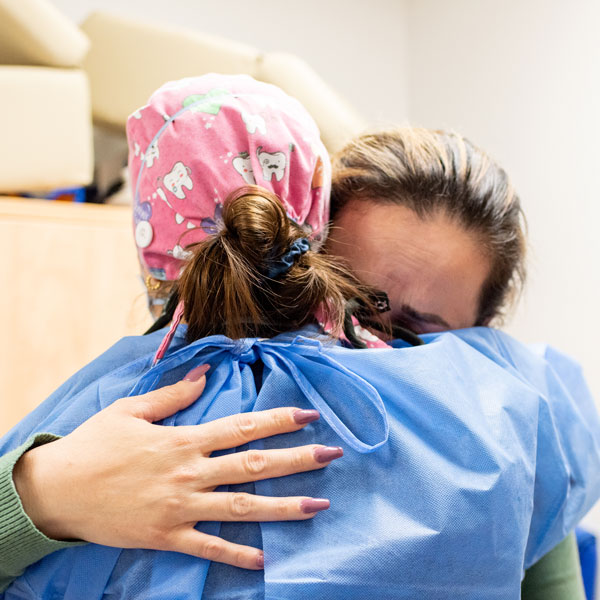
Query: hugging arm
point(120, 480)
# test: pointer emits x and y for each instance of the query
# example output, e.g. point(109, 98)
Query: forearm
point(21, 543)
point(556, 576)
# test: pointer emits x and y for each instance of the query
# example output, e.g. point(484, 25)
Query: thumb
point(162, 403)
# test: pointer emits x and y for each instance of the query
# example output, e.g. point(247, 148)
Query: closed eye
point(419, 322)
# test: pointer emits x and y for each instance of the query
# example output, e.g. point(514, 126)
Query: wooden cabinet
point(69, 289)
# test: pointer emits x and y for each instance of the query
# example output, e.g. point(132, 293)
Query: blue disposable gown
point(466, 460)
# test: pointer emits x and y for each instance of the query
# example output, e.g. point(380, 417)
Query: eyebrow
point(410, 312)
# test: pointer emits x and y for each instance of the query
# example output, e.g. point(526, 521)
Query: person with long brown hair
point(431, 219)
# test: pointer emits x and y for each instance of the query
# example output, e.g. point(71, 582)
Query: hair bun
point(256, 224)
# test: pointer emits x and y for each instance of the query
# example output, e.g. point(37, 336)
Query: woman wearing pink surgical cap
point(195, 144)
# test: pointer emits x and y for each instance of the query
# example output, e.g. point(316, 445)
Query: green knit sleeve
point(556, 576)
point(21, 543)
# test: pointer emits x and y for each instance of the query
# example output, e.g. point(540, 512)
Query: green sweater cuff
point(556, 576)
point(21, 543)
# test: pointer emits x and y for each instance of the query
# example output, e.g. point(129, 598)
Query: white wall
point(357, 47)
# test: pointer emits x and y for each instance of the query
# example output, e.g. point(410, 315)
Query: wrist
point(35, 493)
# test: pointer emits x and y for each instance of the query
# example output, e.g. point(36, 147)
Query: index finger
point(235, 430)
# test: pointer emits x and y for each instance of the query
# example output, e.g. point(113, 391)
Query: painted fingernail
point(195, 374)
point(328, 453)
point(306, 416)
point(260, 560)
point(313, 505)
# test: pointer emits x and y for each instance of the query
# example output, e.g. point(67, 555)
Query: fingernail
point(328, 453)
point(306, 416)
point(260, 560)
point(313, 505)
point(195, 374)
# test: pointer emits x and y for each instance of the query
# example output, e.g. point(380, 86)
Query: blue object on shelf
point(76, 193)
point(588, 557)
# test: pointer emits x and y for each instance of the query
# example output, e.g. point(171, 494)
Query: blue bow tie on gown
point(466, 460)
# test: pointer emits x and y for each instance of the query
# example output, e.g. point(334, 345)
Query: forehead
point(429, 263)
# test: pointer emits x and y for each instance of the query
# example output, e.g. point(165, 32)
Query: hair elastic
point(286, 262)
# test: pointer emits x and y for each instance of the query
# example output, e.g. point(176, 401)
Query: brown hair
point(226, 288)
point(429, 171)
